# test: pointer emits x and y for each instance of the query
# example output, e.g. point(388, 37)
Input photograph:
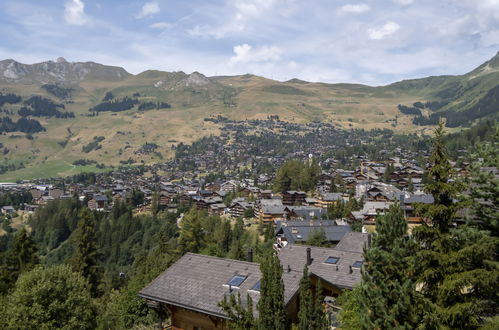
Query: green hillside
point(61, 118)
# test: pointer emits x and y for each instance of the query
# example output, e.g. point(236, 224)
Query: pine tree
point(240, 314)
point(387, 289)
point(84, 260)
point(20, 258)
point(485, 185)
point(319, 320)
point(191, 232)
point(272, 314)
point(306, 302)
point(457, 280)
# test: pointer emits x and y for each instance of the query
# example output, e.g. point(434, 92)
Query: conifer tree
point(241, 315)
point(458, 283)
point(84, 260)
point(319, 321)
point(485, 185)
point(191, 232)
point(387, 289)
point(21, 257)
point(272, 314)
point(306, 302)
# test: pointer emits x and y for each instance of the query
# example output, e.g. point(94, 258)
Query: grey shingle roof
point(338, 274)
point(298, 231)
point(198, 282)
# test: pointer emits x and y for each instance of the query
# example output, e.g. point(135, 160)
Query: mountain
point(56, 113)
point(59, 71)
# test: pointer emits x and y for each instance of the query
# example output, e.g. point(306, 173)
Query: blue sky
point(371, 41)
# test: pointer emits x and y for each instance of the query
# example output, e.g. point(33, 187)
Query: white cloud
point(74, 12)
point(404, 2)
point(148, 9)
point(245, 54)
point(386, 30)
point(354, 9)
point(160, 25)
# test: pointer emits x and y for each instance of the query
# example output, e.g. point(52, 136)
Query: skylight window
point(357, 264)
point(256, 287)
point(237, 280)
point(332, 260)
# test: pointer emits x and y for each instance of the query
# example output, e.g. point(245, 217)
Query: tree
point(387, 292)
point(272, 314)
point(84, 260)
point(311, 313)
point(453, 266)
point(191, 232)
point(240, 313)
point(351, 310)
point(485, 185)
point(50, 298)
point(317, 237)
point(306, 302)
point(21, 257)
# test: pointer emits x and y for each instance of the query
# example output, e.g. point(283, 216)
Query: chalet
point(264, 194)
point(216, 209)
point(204, 203)
point(292, 197)
point(239, 207)
point(304, 213)
point(408, 201)
point(328, 199)
point(297, 232)
point(383, 193)
point(98, 202)
point(270, 213)
point(56, 193)
point(229, 186)
point(192, 287)
point(370, 211)
point(8, 209)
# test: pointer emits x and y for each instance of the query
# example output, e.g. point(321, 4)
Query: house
point(292, 197)
point(297, 232)
point(98, 202)
point(229, 186)
point(304, 212)
point(240, 206)
point(192, 287)
point(370, 211)
point(328, 199)
point(8, 210)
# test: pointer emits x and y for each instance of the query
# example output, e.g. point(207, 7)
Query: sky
point(373, 42)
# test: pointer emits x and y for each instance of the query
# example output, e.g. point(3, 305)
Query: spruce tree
point(485, 185)
point(191, 232)
point(319, 318)
point(271, 310)
point(456, 278)
point(306, 302)
point(240, 314)
point(20, 258)
point(84, 260)
point(387, 289)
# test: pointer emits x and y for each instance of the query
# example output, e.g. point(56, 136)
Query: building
point(298, 232)
point(192, 287)
point(292, 197)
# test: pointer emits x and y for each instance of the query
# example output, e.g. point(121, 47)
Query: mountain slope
point(104, 115)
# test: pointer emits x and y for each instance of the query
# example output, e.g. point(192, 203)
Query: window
point(256, 287)
point(236, 280)
point(357, 264)
point(332, 260)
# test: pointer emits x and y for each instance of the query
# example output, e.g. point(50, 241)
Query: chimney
point(369, 240)
point(309, 256)
point(250, 255)
point(351, 270)
point(289, 268)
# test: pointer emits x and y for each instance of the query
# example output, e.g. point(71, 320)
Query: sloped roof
point(198, 282)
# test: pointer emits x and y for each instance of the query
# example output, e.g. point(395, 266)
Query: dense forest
point(115, 105)
point(42, 107)
point(24, 125)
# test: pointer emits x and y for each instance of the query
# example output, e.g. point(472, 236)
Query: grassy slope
point(346, 105)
